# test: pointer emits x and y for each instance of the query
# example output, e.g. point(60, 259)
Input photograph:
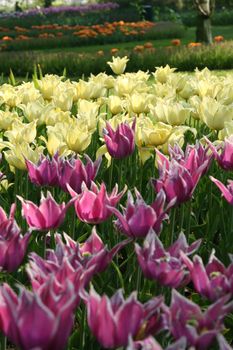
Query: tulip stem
point(119, 275)
point(139, 277)
point(120, 173)
point(2, 342)
point(82, 328)
point(173, 225)
point(189, 219)
point(110, 174)
point(181, 217)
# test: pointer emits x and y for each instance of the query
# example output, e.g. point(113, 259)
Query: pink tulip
point(185, 319)
point(223, 153)
point(37, 320)
point(138, 218)
point(92, 206)
point(12, 244)
point(195, 157)
point(113, 320)
point(151, 344)
point(165, 265)
point(211, 281)
point(180, 176)
point(227, 192)
point(49, 214)
point(120, 143)
point(45, 172)
point(74, 172)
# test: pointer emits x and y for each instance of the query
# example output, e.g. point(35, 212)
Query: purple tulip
point(195, 157)
point(177, 182)
point(179, 177)
point(212, 281)
point(74, 172)
point(45, 172)
point(151, 344)
point(223, 153)
point(49, 214)
point(40, 271)
point(12, 244)
point(92, 206)
point(227, 192)
point(165, 266)
point(37, 320)
point(120, 143)
point(138, 218)
point(113, 320)
point(185, 319)
point(91, 253)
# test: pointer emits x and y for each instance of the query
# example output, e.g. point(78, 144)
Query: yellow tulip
point(173, 113)
point(48, 85)
point(149, 134)
point(163, 73)
point(118, 64)
point(115, 104)
point(21, 132)
point(7, 118)
point(214, 114)
point(17, 154)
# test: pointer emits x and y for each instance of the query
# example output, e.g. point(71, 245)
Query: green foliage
point(219, 56)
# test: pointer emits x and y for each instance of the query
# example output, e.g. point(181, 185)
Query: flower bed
point(54, 35)
point(121, 218)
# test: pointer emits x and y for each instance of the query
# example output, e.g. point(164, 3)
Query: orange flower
point(194, 44)
point(7, 38)
point(176, 42)
point(148, 45)
point(114, 51)
point(218, 38)
point(138, 48)
point(100, 53)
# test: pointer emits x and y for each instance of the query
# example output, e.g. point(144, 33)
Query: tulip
point(17, 154)
point(48, 85)
point(37, 320)
point(21, 132)
point(40, 271)
point(115, 104)
point(139, 218)
point(12, 244)
point(113, 320)
point(92, 206)
point(171, 113)
point(227, 192)
point(49, 215)
point(92, 252)
point(74, 172)
point(195, 158)
point(185, 319)
point(176, 180)
point(214, 114)
point(225, 156)
point(212, 281)
point(163, 73)
point(165, 266)
point(120, 143)
point(151, 344)
point(45, 172)
point(118, 64)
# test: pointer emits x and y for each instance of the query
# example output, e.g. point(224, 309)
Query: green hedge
point(218, 56)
